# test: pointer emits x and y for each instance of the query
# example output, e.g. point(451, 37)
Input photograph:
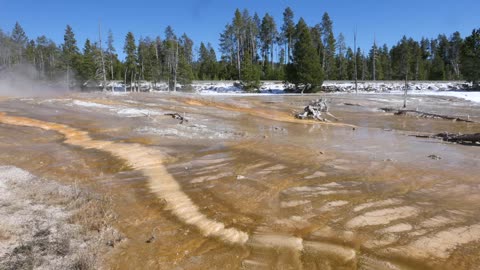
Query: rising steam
point(23, 80)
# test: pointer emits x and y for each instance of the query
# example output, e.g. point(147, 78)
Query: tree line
point(252, 48)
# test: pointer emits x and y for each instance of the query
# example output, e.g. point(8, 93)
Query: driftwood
point(468, 139)
point(421, 114)
point(178, 117)
point(314, 111)
point(459, 138)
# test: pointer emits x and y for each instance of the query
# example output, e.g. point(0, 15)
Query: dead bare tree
point(125, 80)
point(175, 70)
point(374, 60)
point(314, 111)
point(355, 57)
point(102, 57)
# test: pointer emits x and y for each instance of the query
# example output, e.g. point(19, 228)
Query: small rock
point(240, 177)
point(434, 157)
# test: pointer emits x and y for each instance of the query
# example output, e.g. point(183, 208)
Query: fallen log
point(467, 139)
point(459, 138)
point(421, 114)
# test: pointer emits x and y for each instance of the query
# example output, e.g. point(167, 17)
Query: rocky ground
point(46, 225)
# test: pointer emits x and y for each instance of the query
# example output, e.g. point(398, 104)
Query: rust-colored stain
point(266, 114)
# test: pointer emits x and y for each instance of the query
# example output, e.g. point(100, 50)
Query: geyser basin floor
point(242, 185)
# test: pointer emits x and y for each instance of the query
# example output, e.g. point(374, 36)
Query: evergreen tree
point(443, 49)
point(425, 56)
point(418, 68)
point(130, 50)
point(268, 36)
point(213, 67)
point(48, 56)
point(160, 57)
point(30, 52)
point(18, 35)
point(169, 33)
point(147, 59)
point(207, 62)
point(350, 58)
point(250, 74)
point(401, 58)
point(305, 70)
point(470, 58)
point(316, 34)
point(87, 65)
point(238, 25)
point(437, 71)
point(288, 30)
point(185, 60)
point(70, 53)
point(238, 41)
point(111, 57)
point(456, 43)
point(374, 62)
point(341, 61)
point(171, 54)
point(19, 40)
point(385, 63)
point(203, 62)
point(227, 48)
point(329, 47)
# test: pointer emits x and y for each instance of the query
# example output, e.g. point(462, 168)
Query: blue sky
point(203, 20)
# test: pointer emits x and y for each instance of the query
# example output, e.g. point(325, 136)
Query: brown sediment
point(149, 161)
point(266, 114)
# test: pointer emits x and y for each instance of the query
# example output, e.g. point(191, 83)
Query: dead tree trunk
point(175, 70)
point(102, 58)
point(68, 77)
point(238, 60)
point(125, 80)
point(466, 139)
point(460, 138)
point(421, 114)
point(374, 58)
point(355, 61)
point(405, 93)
